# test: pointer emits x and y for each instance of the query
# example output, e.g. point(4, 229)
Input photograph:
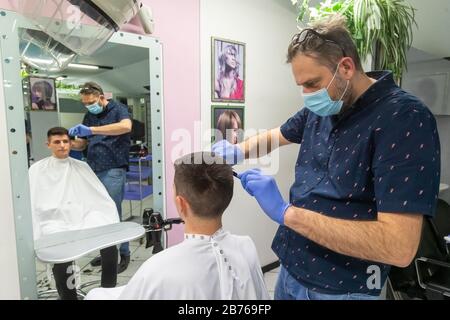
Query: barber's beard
point(341, 84)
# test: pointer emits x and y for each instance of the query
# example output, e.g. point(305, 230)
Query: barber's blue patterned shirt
point(381, 155)
point(108, 152)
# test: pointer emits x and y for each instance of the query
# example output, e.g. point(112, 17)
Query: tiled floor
point(139, 254)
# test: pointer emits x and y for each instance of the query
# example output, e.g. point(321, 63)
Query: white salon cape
point(67, 195)
point(218, 267)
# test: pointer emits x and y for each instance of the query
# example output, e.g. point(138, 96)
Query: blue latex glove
point(80, 130)
point(232, 153)
point(265, 190)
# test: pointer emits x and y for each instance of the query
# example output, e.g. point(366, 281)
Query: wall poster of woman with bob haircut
point(228, 123)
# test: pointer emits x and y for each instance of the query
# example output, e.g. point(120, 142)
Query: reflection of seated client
point(229, 124)
point(41, 96)
point(67, 195)
point(210, 263)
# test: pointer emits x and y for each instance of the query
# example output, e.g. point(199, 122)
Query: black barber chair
point(138, 134)
point(428, 276)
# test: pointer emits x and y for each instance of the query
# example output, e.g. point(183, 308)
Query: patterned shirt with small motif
point(380, 155)
point(108, 152)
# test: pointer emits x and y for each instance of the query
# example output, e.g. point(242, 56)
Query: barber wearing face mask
point(105, 131)
point(367, 172)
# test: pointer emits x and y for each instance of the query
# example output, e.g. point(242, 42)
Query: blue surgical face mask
point(95, 108)
point(320, 101)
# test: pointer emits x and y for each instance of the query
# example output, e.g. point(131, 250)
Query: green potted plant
point(381, 28)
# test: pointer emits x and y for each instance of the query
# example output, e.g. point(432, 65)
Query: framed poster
point(227, 123)
point(42, 94)
point(228, 71)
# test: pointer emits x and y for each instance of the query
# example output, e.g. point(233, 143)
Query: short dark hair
point(326, 40)
point(205, 182)
point(91, 88)
point(57, 131)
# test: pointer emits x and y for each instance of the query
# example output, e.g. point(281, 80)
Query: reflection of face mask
point(320, 101)
point(94, 108)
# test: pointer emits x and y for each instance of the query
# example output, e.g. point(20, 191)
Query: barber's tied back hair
point(91, 88)
point(327, 40)
point(57, 131)
point(205, 182)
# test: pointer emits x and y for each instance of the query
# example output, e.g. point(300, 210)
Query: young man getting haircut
point(210, 263)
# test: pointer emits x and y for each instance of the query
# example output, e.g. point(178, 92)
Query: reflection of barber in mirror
point(367, 172)
point(66, 195)
point(106, 131)
point(228, 85)
point(211, 263)
point(229, 124)
point(41, 96)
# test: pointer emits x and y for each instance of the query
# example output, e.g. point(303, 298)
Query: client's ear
point(182, 205)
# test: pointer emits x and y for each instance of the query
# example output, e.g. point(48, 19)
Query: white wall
point(68, 120)
point(266, 26)
point(433, 20)
point(438, 100)
point(129, 79)
point(40, 123)
point(431, 36)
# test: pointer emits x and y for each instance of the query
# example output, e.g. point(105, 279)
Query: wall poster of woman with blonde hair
point(228, 71)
